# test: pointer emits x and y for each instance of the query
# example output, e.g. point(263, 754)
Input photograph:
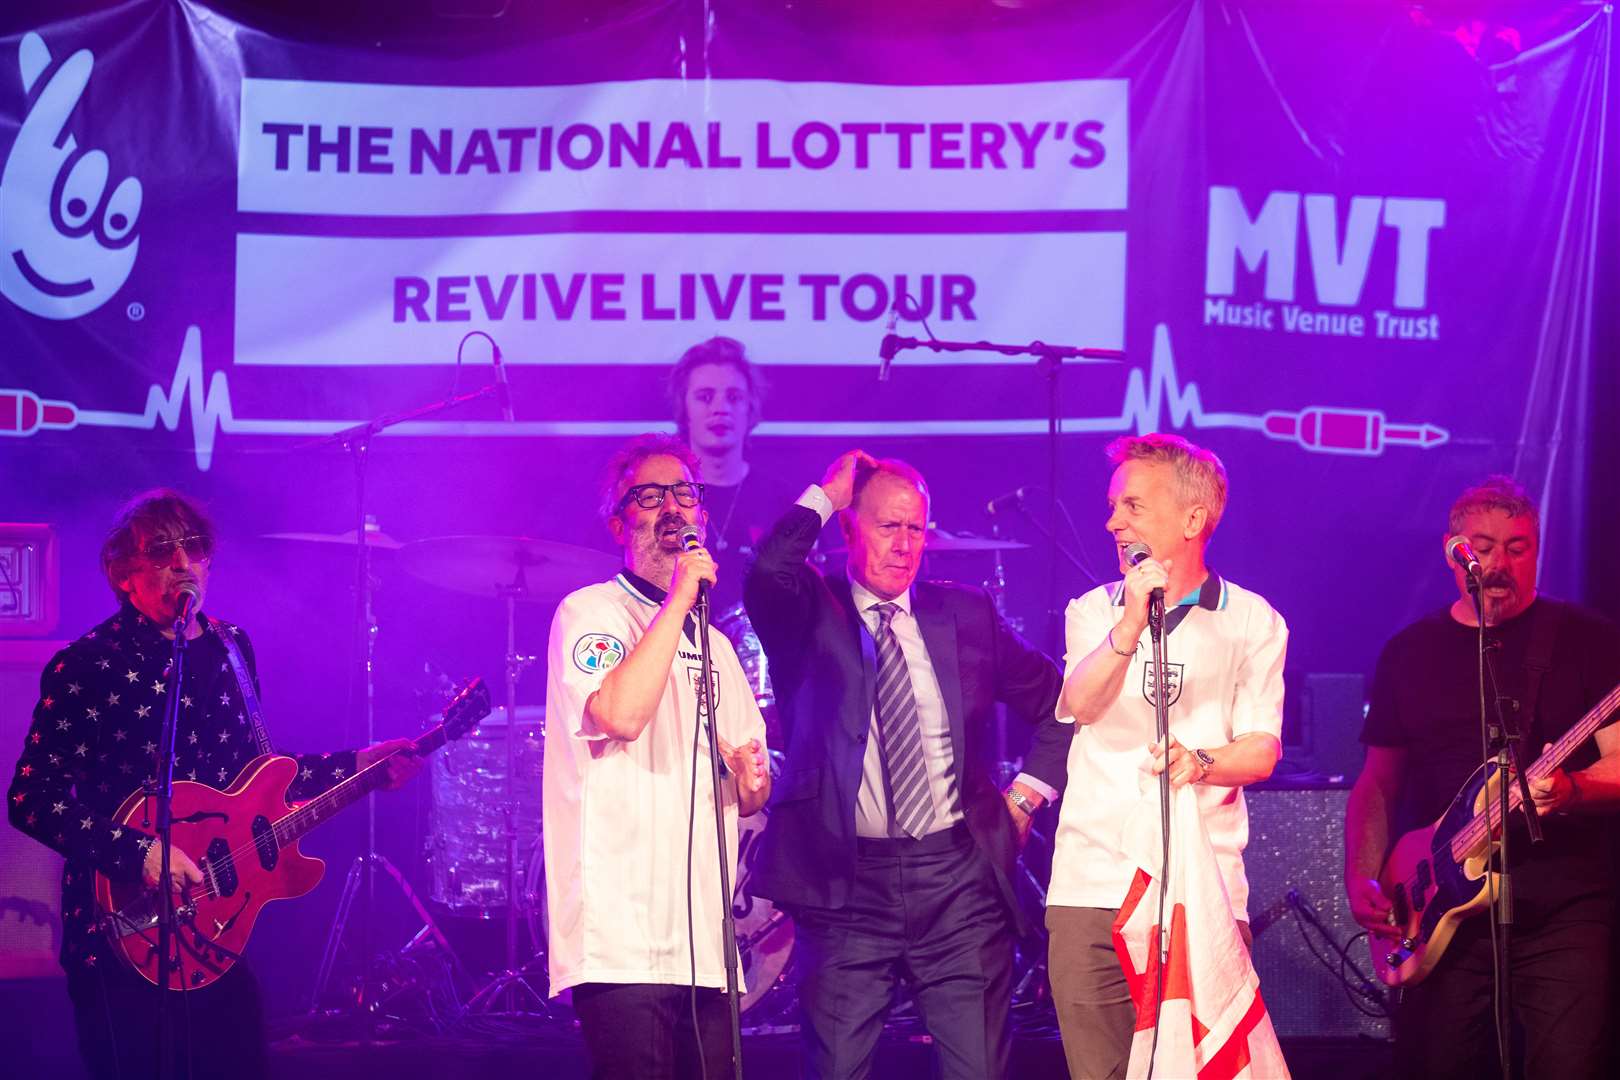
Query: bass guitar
point(1436, 877)
point(244, 839)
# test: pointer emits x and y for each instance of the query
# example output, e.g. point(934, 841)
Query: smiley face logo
point(67, 242)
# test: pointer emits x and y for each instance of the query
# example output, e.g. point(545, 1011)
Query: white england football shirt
point(615, 813)
point(1226, 660)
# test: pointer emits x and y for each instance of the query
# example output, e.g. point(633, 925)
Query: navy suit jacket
point(823, 665)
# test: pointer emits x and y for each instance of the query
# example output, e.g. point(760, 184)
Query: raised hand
point(839, 481)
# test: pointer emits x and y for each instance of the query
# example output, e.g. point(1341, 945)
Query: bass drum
point(764, 932)
point(734, 624)
point(467, 830)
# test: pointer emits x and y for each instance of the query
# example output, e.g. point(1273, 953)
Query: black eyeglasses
point(161, 552)
point(651, 496)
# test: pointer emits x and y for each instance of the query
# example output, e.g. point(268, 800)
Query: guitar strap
point(244, 682)
point(1544, 620)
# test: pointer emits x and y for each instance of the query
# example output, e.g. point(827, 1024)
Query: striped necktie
point(911, 804)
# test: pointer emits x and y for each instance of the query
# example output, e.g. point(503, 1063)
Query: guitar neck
point(1557, 753)
point(334, 799)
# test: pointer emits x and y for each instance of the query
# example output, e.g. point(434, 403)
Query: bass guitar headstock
point(469, 706)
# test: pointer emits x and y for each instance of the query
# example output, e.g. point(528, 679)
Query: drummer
point(716, 393)
point(622, 686)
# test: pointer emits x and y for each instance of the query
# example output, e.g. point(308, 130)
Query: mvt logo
point(67, 243)
point(1268, 243)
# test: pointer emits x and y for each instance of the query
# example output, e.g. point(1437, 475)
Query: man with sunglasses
point(633, 894)
point(94, 740)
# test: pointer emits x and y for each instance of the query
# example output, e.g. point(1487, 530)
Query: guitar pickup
point(1398, 899)
point(1425, 878)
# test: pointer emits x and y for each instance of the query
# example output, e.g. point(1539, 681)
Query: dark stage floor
point(488, 1049)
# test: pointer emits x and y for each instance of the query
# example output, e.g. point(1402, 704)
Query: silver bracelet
point(1117, 650)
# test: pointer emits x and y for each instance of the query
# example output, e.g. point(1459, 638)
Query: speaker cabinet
point(30, 872)
point(1296, 856)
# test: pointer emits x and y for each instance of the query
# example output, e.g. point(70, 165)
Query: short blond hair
point(1200, 476)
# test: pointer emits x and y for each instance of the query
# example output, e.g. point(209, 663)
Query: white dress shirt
point(939, 757)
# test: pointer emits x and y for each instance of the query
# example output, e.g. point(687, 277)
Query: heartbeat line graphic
point(1325, 429)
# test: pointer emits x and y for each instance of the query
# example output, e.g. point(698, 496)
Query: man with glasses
point(95, 739)
point(633, 894)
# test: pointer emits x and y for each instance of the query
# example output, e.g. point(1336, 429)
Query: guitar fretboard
point(1471, 836)
point(334, 799)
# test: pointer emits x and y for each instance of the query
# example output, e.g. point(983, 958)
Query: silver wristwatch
point(1022, 801)
point(1206, 761)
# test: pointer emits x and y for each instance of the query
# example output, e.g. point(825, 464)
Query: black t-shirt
point(739, 514)
point(1425, 700)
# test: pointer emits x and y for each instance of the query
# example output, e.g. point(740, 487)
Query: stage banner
point(1349, 247)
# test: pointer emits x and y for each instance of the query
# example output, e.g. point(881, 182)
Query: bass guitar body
point(1433, 887)
point(230, 835)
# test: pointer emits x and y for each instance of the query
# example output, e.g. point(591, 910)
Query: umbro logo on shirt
point(1172, 678)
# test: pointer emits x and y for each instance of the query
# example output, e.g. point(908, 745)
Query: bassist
point(1423, 743)
point(94, 740)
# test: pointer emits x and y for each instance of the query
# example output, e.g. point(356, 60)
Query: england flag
point(1213, 1025)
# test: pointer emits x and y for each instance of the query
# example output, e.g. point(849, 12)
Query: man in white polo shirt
point(630, 852)
point(1225, 648)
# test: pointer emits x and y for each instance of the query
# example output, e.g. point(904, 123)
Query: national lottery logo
point(598, 654)
point(67, 240)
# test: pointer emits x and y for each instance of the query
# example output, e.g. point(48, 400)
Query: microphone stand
point(1161, 729)
point(168, 914)
point(1504, 735)
point(1051, 359)
point(728, 934)
point(356, 441)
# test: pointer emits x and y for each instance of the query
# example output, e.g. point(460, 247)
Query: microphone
point(1013, 500)
point(506, 387)
point(1135, 554)
point(1461, 552)
point(688, 537)
point(890, 345)
point(186, 602)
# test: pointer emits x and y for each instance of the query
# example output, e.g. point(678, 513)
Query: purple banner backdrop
point(1351, 250)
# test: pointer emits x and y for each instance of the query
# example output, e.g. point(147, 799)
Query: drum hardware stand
point(373, 993)
point(356, 441)
point(1050, 359)
point(508, 992)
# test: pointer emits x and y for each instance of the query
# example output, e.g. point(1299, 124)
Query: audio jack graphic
point(1149, 396)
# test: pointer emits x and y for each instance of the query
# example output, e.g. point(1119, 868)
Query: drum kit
point(484, 846)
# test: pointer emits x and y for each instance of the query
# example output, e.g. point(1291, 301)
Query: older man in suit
point(888, 842)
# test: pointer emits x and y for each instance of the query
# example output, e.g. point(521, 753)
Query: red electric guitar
point(245, 841)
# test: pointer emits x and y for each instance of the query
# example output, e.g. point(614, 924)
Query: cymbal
point(940, 540)
point(496, 566)
point(376, 539)
point(945, 542)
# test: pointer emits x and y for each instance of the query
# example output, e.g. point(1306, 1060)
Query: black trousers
point(1560, 994)
point(643, 1031)
point(927, 912)
point(216, 1031)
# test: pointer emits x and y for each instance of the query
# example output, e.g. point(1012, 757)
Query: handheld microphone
point(506, 387)
point(185, 604)
point(890, 344)
point(1461, 552)
point(1013, 500)
point(1134, 555)
point(688, 537)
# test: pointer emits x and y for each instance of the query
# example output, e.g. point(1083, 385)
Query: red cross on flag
point(1213, 1025)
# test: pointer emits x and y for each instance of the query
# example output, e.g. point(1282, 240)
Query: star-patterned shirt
point(94, 741)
